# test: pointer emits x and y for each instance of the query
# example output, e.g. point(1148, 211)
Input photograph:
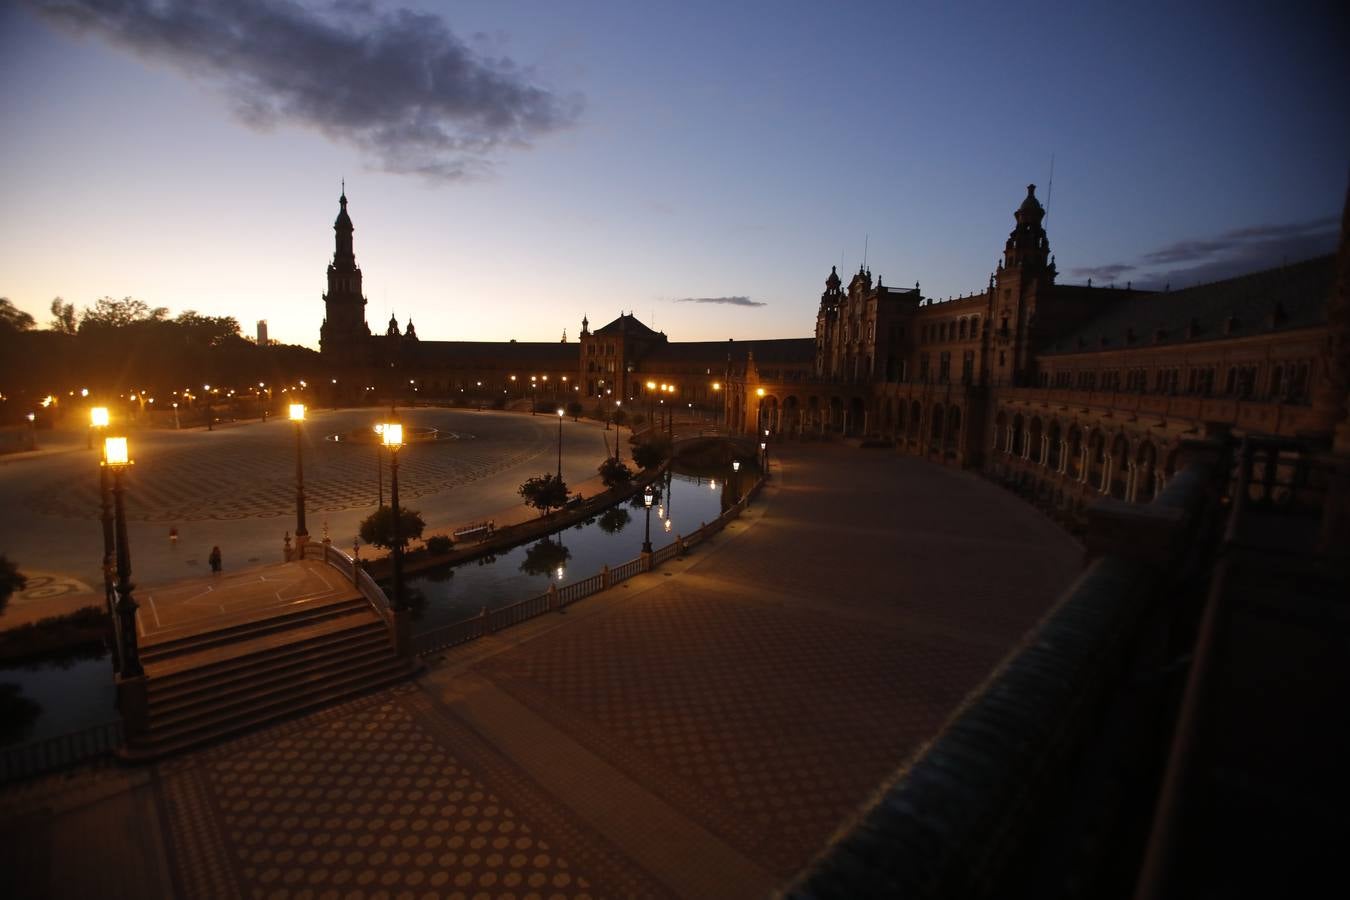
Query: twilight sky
point(512, 166)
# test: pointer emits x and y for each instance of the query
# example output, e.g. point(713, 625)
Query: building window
point(923, 367)
point(944, 367)
point(968, 367)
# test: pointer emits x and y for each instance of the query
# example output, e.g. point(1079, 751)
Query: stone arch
point(1054, 452)
point(1145, 472)
point(1120, 458)
point(792, 415)
point(1019, 439)
point(1034, 434)
point(1000, 431)
point(1075, 451)
point(915, 419)
point(900, 417)
point(857, 409)
point(836, 422)
point(953, 427)
point(961, 329)
point(1096, 461)
point(935, 420)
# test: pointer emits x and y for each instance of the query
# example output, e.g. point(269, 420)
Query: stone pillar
point(1131, 476)
point(1105, 486)
point(552, 596)
point(1045, 451)
point(1026, 444)
point(1063, 457)
point(1084, 463)
point(604, 577)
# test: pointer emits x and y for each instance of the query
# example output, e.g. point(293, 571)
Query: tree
point(544, 492)
point(574, 410)
point(613, 471)
point(651, 453)
point(11, 581)
point(378, 527)
point(64, 319)
point(620, 416)
point(614, 520)
point(109, 313)
point(12, 318)
point(545, 558)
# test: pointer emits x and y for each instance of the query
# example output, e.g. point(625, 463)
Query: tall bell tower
point(1024, 276)
point(344, 334)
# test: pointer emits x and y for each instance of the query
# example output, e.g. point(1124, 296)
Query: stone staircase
point(238, 676)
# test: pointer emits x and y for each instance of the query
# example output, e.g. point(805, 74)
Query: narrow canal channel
point(453, 593)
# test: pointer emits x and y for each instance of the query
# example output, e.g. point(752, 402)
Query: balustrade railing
point(59, 752)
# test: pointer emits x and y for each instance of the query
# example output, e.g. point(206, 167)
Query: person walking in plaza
point(215, 560)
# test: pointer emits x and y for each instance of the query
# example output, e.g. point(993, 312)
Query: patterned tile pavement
point(381, 797)
point(770, 689)
point(257, 479)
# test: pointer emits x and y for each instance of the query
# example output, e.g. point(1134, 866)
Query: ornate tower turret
point(344, 332)
point(1024, 276)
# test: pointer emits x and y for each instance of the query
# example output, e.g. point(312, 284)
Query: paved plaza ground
point(700, 731)
point(234, 487)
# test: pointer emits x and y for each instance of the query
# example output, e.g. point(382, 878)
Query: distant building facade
point(262, 332)
point(1074, 391)
point(1079, 391)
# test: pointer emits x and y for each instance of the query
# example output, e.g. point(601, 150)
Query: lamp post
point(651, 402)
point(560, 418)
point(736, 484)
point(717, 401)
point(618, 430)
point(379, 470)
point(393, 439)
point(109, 548)
point(764, 455)
point(301, 532)
point(759, 409)
point(116, 456)
point(647, 499)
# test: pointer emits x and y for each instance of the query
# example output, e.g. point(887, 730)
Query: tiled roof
point(627, 325)
point(774, 351)
point(1300, 290)
point(552, 354)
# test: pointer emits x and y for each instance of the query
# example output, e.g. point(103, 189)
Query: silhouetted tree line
point(116, 346)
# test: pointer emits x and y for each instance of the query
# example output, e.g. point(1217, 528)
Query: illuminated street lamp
point(301, 532)
point(98, 418)
point(393, 439)
point(117, 457)
point(560, 420)
point(379, 470)
point(647, 499)
point(736, 484)
point(717, 401)
point(618, 429)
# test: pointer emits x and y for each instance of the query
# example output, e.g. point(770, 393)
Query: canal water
point(453, 593)
point(51, 699)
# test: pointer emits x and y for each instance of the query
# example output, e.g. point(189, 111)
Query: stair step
point(263, 694)
point(164, 741)
point(303, 696)
point(249, 681)
point(273, 643)
point(159, 647)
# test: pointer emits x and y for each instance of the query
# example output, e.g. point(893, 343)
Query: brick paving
point(380, 797)
point(256, 477)
point(700, 731)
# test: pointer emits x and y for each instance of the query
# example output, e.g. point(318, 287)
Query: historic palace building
point(1071, 392)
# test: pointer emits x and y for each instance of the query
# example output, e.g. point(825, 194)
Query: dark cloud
point(1236, 252)
point(399, 85)
point(729, 301)
point(1107, 273)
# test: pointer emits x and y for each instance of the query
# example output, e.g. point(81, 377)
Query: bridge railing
point(60, 752)
point(358, 576)
point(988, 793)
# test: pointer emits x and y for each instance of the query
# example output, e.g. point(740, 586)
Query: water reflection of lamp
point(559, 573)
point(667, 526)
